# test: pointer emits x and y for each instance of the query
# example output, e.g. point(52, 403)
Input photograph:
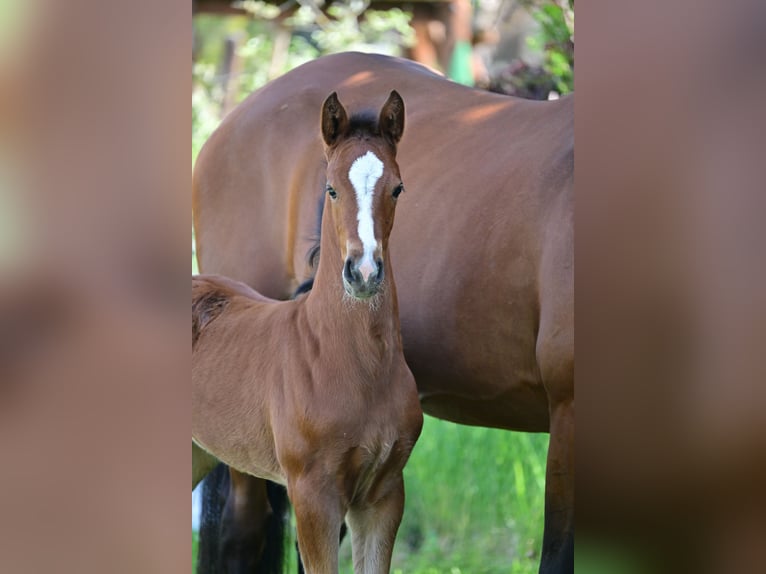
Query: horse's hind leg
point(318, 517)
point(373, 531)
point(557, 555)
point(555, 356)
point(558, 536)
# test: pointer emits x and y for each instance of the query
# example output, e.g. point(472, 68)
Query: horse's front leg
point(373, 530)
point(558, 536)
point(318, 517)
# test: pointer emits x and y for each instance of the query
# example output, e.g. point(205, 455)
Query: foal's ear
point(391, 119)
point(334, 120)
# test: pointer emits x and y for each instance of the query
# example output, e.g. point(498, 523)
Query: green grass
point(195, 545)
point(474, 503)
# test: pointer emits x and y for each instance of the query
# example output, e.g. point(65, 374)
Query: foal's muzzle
point(362, 277)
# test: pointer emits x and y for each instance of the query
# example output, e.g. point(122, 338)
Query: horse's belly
point(239, 437)
point(479, 370)
point(511, 411)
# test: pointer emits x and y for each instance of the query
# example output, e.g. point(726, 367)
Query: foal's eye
point(398, 190)
point(332, 192)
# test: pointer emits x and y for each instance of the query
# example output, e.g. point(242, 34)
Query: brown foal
point(315, 393)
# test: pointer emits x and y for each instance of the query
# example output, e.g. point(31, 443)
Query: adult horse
point(483, 255)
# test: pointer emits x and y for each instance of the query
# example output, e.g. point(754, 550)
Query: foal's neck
point(331, 309)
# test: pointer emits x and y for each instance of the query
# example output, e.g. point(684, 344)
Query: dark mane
point(313, 254)
point(363, 124)
point(206, 306)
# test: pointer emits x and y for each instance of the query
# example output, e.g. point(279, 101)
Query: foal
point(314, 393)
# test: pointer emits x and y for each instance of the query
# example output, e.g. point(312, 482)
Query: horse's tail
point(212, 558)
point(273, 558)
point(215, 487)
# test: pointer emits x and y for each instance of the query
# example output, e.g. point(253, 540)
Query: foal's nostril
point(348, 273)
point(363, 275)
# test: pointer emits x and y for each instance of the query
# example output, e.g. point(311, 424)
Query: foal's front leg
point(318, 517)
point(373, 530)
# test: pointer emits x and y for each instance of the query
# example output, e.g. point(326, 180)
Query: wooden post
point(279, 51)
point(460, 68)
point(231, 69)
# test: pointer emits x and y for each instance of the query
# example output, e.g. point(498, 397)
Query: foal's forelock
point(364, 174)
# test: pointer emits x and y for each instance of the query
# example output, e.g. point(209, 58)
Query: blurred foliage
point(312, 34)
point(555, 40)
point(349, 25)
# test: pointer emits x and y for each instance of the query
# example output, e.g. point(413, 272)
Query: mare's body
point(483, 256)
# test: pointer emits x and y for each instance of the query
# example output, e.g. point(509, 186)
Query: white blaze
point(364, 174)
